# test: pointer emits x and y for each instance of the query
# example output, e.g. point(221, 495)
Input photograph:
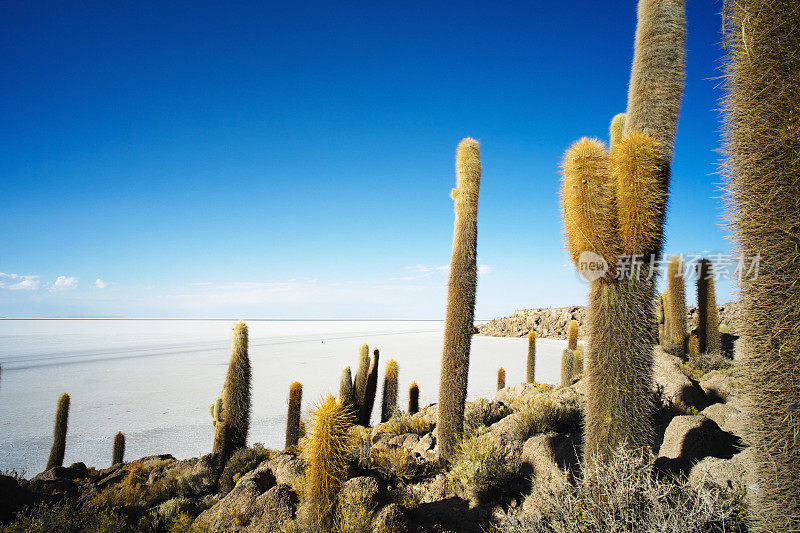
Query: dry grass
point(541, 414)
point(404, 423)
point(478, 467)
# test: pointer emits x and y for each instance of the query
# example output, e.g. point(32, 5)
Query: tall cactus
point(676, 327)
point(118, 455)
point(362, 373)
point(762, 117)
point(236, 394)
point(346, 391)
point(326, 455)
point(614, 206)
point(530, 367)
point(389, 402)
point(293, 415)
point(370, 389)
point(459, 319)
point(572, 335)
point(59, 433)
point(707, 314)
point(501, 378)
point(413, 398)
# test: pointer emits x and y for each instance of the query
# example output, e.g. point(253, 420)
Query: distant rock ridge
point(552, 322)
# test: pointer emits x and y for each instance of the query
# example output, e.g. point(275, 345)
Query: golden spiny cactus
point(118, 455)
point(619, 359)
point(707, 314)
point(326, 453)
point(459, 319)
point(501, 378)
point(413, 398)
point(579, 360)
point(389, 403)
point(615, 130)
point(572, 335)
point(530, 370)
point(293, 416)
point(59, 433)
point(762, 117)
point(676, 327)
point(589, 205)
point(637, 165)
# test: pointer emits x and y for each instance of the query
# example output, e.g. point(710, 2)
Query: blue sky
point(204, 159)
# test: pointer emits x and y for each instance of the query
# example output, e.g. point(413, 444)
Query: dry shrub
point(394, 462)
point(241, 462)
point(478, 467)
point(624, 494)
point(541, 414)
point(405, 423)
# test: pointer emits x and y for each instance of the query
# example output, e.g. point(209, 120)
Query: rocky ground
point(551, 323)
point(527, 435)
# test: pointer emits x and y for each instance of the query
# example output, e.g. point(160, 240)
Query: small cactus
point(675, 312)
point(326, 454)
point(572, 335)
point(660, 317)
point(59, 433)
point(413, 398)
point(119, 449)
point(461, 286)
point(707, 314)
point(293, 416)
point(692, 346)
point(531, 366)
point(362, 373)
point(370, 389)
point(501, 378)
point(346, 390)
point(219, 425)
point(567, 367)
point(616, 129)
point(389, 404)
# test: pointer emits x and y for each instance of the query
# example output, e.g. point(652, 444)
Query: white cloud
point(484, 269)
point(424, 271)
point(100, 284)
point(15, 282)
point(63, 283)
point(201, 284)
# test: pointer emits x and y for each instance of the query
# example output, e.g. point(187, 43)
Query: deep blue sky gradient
point(295, 159)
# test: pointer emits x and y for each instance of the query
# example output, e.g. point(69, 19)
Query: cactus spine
point(530, 371)
point(707, 314)
point(762, 115)
point(293, 416)
point(572, 335)
point(389, 403)
point(346, 391)
point(567, 367)
point(59, 433)
point(459, 319)
point(236, 395)
point(413, 398)
point(501, 378)
point(326, 456)
point(362, 373)
point(370, 389)
point(599, 193)
point(675, 311)
point(119, 449)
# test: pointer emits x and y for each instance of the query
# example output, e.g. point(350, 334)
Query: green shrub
point(405, 423)
point(241, 462)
